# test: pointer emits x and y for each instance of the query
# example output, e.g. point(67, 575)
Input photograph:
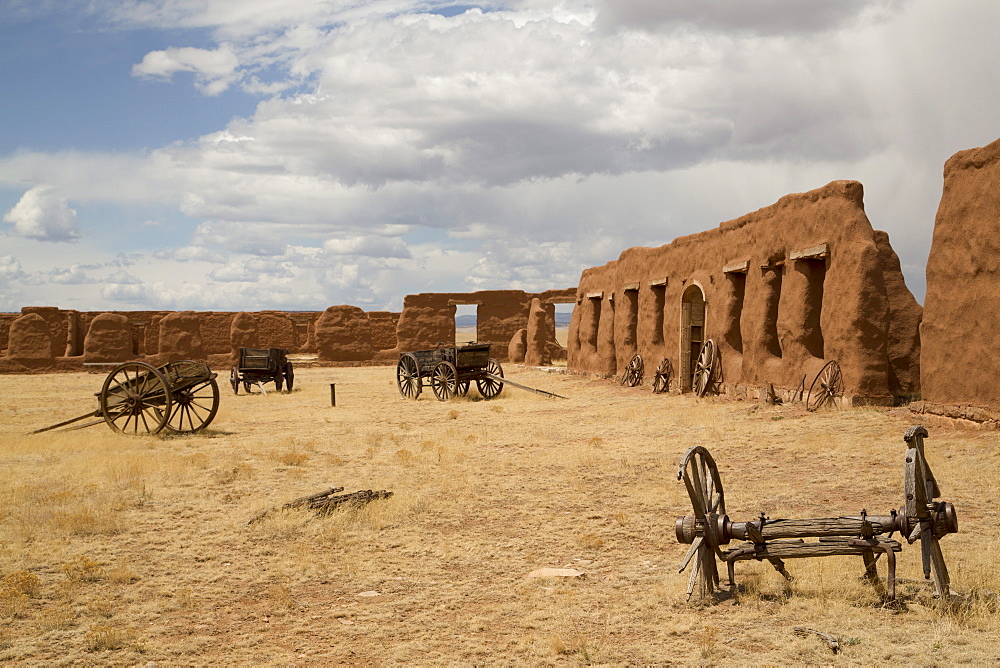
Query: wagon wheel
point(444, 381)
point(463, 388)
point(704, 368)
point(408, 376)
point(661, 379)
point(246, 386)
point(826, 388)
point(135, 398)
point(633, 372)
point(289, 376)
point(234, 380)
point(194, 407)
point(278, 381)
point(704, 487)
point(491, 387)
point(918, 508)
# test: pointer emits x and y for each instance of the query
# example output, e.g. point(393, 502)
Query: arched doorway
point(692, 332)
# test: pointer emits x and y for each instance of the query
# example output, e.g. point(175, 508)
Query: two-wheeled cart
point(138, 398)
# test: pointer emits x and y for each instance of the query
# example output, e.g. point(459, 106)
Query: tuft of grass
point(103, 637)
point(83, 569)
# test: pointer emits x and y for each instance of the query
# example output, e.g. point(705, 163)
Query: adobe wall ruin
point(959, 364)
point(428, 319)
point(780, 291)
point(349, 335)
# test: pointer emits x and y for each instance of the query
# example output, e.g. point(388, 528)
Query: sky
point(293, 155)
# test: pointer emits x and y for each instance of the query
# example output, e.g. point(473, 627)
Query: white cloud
point(43, 215)
point(191, 254)
point(10, 269)
point(74, 275)
point(214, 69)
point(371, 246)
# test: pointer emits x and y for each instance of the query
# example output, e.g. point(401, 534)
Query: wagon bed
point(262, 365)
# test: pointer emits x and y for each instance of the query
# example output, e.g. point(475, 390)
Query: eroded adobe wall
point(383, 329)
point(428, 319)
point(959, 364)
point(785, 288)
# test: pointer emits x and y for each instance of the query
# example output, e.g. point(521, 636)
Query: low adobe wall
point(780, 291)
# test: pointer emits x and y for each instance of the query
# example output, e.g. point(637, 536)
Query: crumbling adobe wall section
point(428, 319)
point(905, 315)
point(959, 365)
point(108, 339)
point(30, 342)
point(344, 333)
point(785, 288)
point(383, 329)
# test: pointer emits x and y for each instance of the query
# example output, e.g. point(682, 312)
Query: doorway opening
point(466, 323)
point(692, 333)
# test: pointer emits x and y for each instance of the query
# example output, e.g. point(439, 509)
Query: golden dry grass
point(117, 549)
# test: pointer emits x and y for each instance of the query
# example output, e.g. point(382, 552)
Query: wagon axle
point(921, 518)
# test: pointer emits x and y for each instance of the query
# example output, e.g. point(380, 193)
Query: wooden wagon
point(138, 398)
point(449, 370)
point(259, 366)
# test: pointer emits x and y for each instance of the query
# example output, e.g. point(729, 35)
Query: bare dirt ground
point(129, 550)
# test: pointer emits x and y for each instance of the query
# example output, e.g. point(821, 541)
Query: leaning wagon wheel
point(661, 379)
point(234, 380)
point(135, 398)
point(919, 503)
point(704, 487)
point(704, 368)
point(444, 381)
point(289, 376)
point(194, 407)
point(633, 372)
point(491, 387)
point(826, 388)
point(408, 376)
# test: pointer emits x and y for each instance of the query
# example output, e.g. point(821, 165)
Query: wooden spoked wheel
point(462, 388)
point(704, 487)
point(826, 388)
point(289, 376)
point(704, 369)
point(491, 387)
point(444, 381)
point(135, 399)
point(194, 407)
point(234, 380)
point(408, 376)
point(928, 520)
point(633, 372)
point(661, 379)
point(279, 381)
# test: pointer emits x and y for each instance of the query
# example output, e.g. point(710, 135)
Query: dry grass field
point(129, 550)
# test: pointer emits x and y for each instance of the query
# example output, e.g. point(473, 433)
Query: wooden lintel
point(457, 302)
point(630, 286)
point(658, 283)
point(737, 267)
point(595, 295)
point(814, 253)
